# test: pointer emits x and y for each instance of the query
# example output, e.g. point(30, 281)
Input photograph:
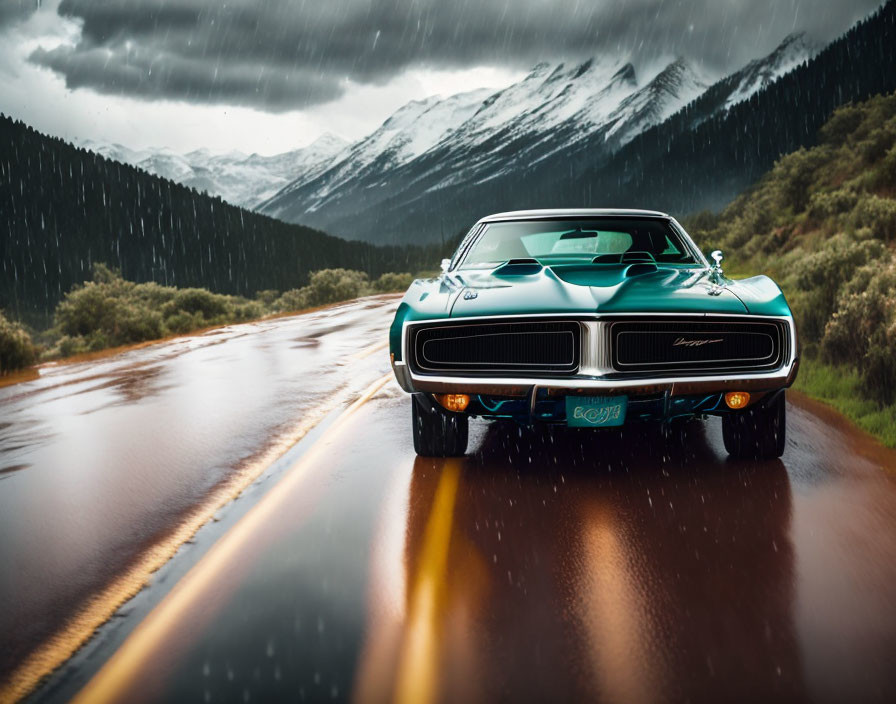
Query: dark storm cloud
point(12, 11)
point(283, 54)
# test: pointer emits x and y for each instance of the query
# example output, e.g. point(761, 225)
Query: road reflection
point(590, 566)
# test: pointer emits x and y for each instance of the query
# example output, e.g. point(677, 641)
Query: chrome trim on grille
point(590, 374)
point(595, 354)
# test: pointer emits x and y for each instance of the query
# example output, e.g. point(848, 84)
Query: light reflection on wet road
point(107, 466)
point(563, 566)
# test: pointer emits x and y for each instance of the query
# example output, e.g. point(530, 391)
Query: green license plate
point(595, 411)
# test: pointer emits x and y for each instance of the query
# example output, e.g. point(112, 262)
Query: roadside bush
point(181, 321)
point(333, 285)
point(879, 373)
point(862, 331)
point(68, 346)
point(823, 273)
point(877, 213)
point(210, 306)
point(390, 282)
point(848, 333)
point(292, 300)
point(267, 297)
point(247, 310)
point(16, 348)
point(109, 311)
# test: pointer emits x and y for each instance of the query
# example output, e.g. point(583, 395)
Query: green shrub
point(877, 213)
point(69, 346)
point(796, 173)
point(211, 306)
point(390, 282)
point(247, 310)
point(848, 333)
point(828, 204)
point(93, 306)
point(267, 297)
point(110, 311)
point(886, 171)
point(875, 147)
point(181, 321)
point(842, 125)
point(823, 273)
point(333, 285)
point(16, 348)
point(879, 366)
point(292, 300)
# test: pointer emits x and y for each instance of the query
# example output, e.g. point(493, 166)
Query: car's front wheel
point(757, 432)
point(437, 432)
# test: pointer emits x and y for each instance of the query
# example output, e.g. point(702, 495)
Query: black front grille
point(499, 349)
point(689, 345)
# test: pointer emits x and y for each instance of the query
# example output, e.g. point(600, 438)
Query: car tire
point(758, 432)
point(437, 432)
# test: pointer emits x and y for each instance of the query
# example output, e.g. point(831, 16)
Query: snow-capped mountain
point(408, 133)
point(474, 150)
point(241, 179)
point(756, 75)
point(552, 110)
point(672, 88)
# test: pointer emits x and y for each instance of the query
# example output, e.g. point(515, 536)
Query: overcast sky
point(272, 75)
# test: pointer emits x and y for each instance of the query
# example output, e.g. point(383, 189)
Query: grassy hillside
point(822, 222)
point(62, 209)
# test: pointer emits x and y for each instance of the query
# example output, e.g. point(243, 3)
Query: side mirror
point(715, 271)
point(445, 265)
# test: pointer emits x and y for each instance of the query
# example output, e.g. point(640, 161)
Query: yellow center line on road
point(367, 351)
point(111, 682)
point(418, 666)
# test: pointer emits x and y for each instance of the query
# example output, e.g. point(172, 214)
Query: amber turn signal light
point(737, 399)
point(454, 402)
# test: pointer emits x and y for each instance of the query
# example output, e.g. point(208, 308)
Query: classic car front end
point(592, 319)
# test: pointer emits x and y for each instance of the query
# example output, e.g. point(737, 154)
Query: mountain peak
point(328, 139)
point(625, 75)
point(676, 79)
point(759, 73)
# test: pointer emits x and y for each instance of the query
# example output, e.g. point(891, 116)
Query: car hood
point(583, 289)
point(631, 288)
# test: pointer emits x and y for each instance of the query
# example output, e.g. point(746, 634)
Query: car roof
point(570, 213)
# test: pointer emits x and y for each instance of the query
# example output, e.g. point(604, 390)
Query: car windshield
point(599, 240)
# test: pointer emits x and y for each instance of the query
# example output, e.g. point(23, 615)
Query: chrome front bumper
point(593, 368)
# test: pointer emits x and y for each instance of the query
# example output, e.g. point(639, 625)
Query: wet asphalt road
point(562, 566)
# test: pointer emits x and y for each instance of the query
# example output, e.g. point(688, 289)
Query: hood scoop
point(518, 267)
point(640, 269)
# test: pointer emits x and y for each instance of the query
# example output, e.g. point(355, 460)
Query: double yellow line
point(418, 666)
point(111, 682)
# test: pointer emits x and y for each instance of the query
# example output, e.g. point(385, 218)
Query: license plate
point(595, 411)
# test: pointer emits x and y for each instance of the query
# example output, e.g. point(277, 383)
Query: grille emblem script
point(683, 342)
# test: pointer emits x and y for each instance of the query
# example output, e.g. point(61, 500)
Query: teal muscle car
point(592, 319)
